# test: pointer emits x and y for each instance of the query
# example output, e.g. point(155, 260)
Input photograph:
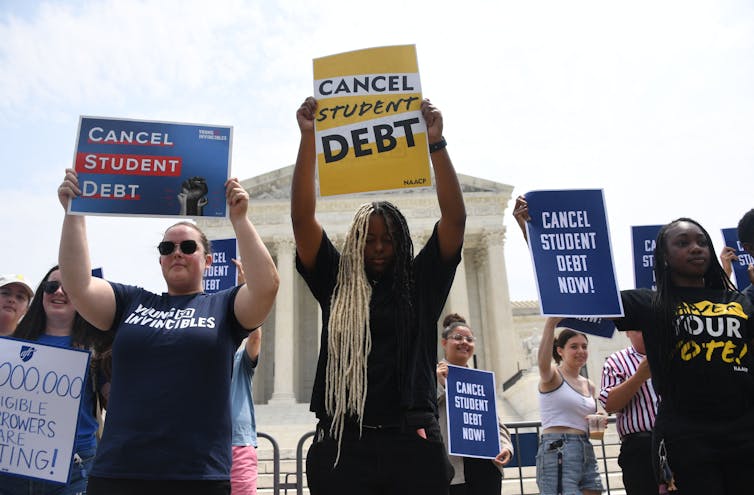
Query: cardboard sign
point(643, 239)
point(601, 327)
point(472, 413)
point(222, 273)
point(147, 168)
point(370, 134)
point(40, 394)
point(740, 267)
point(569, 241)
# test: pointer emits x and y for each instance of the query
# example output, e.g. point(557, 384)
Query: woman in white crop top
point(565, 459)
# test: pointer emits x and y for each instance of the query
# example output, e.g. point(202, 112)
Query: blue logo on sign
point(26, 353)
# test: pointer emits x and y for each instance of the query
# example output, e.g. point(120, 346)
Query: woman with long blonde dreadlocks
point(374, 390)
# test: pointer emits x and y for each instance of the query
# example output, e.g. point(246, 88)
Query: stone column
point(458, 299)
point(504, 350)
point(283, 386)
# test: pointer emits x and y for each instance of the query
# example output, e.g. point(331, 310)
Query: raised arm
point(727, 257)
point(452, 209)
point(521, 214)
point(547, 375)
point(254, 299)
point(306, 229)
point(92, 297)
point(254, 344)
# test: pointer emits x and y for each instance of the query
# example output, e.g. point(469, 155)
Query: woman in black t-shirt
point(698, 331)
point(374, 388)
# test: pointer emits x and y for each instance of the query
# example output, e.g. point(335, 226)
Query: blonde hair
point(349, 340)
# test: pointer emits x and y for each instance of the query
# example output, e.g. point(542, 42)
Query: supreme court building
point(291, 335)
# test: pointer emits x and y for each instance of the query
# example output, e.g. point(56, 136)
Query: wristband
point(438, 145)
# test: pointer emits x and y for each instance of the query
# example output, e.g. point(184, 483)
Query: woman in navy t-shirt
point(168, 426)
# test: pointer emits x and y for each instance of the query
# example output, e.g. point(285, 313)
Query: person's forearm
point(93, 297)
point(505, 437)
point(73, 257)
point(621, 394)
point(262, 278)
point(449, 195)
point(544, 353)
point(303, 188)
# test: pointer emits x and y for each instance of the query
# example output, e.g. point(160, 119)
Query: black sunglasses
point(187, 247)
point(51, 286)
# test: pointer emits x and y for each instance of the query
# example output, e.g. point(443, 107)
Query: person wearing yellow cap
point(15, 294)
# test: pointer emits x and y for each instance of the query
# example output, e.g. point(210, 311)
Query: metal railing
point(524, 435)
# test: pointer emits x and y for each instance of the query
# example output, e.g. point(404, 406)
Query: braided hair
point(349, 338)
point(667, 304)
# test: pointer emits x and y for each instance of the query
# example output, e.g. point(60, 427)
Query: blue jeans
point(579, 469)
point(81, 465)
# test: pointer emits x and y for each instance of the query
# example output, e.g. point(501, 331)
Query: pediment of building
point(276, 185)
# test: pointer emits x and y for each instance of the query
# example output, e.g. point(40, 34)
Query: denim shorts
point(580, 471)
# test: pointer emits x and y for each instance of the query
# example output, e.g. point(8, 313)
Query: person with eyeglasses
point(472, 476)
point(168, 427)
point(15, 294)
point(52, 320)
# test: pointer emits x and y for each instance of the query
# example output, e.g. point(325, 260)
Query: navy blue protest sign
point(40, 395)
point(525, 446)
point(602, 327)
point(97, 272)
point(472, 413)
point(569, 241)
point(148, 168)
point(643, 239)
point(221, 274)
point(741, 266)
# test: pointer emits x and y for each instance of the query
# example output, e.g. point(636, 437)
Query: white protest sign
point(40, 392)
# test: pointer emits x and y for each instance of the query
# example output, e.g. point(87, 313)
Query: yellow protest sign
point(370, 133)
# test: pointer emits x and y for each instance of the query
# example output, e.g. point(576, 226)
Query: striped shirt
point(639, 414)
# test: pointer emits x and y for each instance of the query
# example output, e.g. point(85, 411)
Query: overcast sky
point(651, 101)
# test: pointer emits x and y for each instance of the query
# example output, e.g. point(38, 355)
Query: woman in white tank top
point(565, 460)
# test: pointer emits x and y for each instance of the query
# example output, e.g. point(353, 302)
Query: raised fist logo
point(193, 196)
